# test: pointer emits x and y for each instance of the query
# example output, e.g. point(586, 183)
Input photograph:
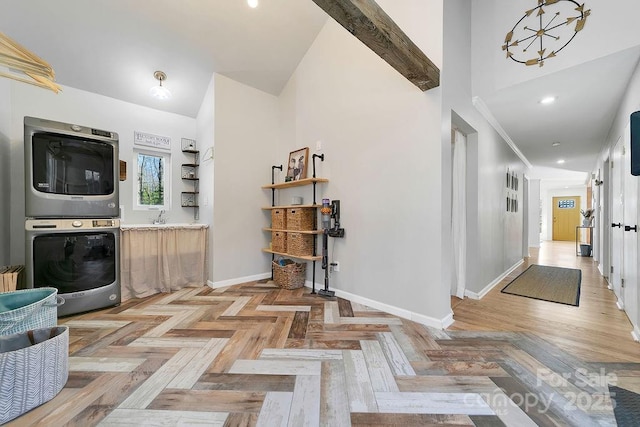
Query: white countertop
point(160, 226)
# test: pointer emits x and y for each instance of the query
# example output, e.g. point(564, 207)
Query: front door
point(566, 217)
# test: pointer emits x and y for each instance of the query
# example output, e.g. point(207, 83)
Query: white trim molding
point(636, 334)
point(238, 280)
point(432, 322)
point(488, 115)
point(491, 285)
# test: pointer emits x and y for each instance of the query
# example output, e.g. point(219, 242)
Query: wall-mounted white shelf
point(189, 173)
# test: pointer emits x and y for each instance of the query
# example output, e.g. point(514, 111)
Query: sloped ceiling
point(112, 47)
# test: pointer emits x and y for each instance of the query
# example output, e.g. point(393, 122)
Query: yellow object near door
point(566, 216)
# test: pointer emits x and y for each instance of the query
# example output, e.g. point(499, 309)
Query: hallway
point(594, 331)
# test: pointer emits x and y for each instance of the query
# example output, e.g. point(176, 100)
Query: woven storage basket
point(279, 218)
point(11, 278)
point(300, 244)
point(34, 366)
point(300, 218)
point(28, 309)
point(290, 276)
point(279, 241)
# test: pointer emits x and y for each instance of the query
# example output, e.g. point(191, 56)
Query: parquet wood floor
point(254, 354)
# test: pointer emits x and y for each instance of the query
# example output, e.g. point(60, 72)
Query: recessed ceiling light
point(252, 3)
point(561, 161)
point(555, 144)
point(548, 100)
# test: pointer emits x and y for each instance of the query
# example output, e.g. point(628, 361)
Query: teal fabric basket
point(28, 309)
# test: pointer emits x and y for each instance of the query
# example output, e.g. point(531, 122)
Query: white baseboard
point(636, 334)
point(433, 322)
point(600, 269)
point(491, 285)
point(620, 305)
point(237, 281)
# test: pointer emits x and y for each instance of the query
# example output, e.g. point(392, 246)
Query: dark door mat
point(627, 406)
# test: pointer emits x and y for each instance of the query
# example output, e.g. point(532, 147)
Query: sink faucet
point(160, 219)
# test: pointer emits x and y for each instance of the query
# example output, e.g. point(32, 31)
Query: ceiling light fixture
point(548, 100)
point(160, 92)
point(560, 162)
point(555, 144)
point(252, 3)
point(544, 31)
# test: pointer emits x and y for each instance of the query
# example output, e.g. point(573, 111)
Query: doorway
point(616, 170)
point(566, 217)
point(630, 235)
point(459, 212)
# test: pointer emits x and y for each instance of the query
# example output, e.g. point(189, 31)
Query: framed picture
point(297, 165)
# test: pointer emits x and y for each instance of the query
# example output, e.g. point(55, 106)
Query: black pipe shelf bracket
point(273, 181)
point(321, 157)
point(273, 203)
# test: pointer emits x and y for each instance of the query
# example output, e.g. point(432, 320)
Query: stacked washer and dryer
point(72, 213)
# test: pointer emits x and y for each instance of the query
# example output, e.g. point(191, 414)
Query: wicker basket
point(301, 218)
point(279, 218)
point(28, 309)
point(300, 244)
point(289, 276)
point(279, 241)
point(34, 366)
point(11, 278)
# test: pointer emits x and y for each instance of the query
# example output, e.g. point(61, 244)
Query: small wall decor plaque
point(150, 140)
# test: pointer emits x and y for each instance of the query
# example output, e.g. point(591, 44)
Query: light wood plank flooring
point(253, 354)
point(596, 330)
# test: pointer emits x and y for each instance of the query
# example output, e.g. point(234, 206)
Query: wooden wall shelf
point(268, 208)
point(294, 231)
point(297, 183)
point(306, 258)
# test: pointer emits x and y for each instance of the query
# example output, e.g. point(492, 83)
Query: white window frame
point(166, 157)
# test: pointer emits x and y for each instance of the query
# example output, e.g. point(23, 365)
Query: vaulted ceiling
point(113, 48)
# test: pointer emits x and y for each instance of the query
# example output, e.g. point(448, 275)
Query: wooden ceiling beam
point(366, 20)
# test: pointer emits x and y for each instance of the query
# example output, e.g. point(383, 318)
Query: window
point(566, 204)
point(152, 189)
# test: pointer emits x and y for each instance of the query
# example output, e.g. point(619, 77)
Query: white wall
point(494, 237)
point(246, 132)
point(5, 170)
point(205, 139)
point(535, 227)
point(382, 140)
point(547, 195)
point(88, 109)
